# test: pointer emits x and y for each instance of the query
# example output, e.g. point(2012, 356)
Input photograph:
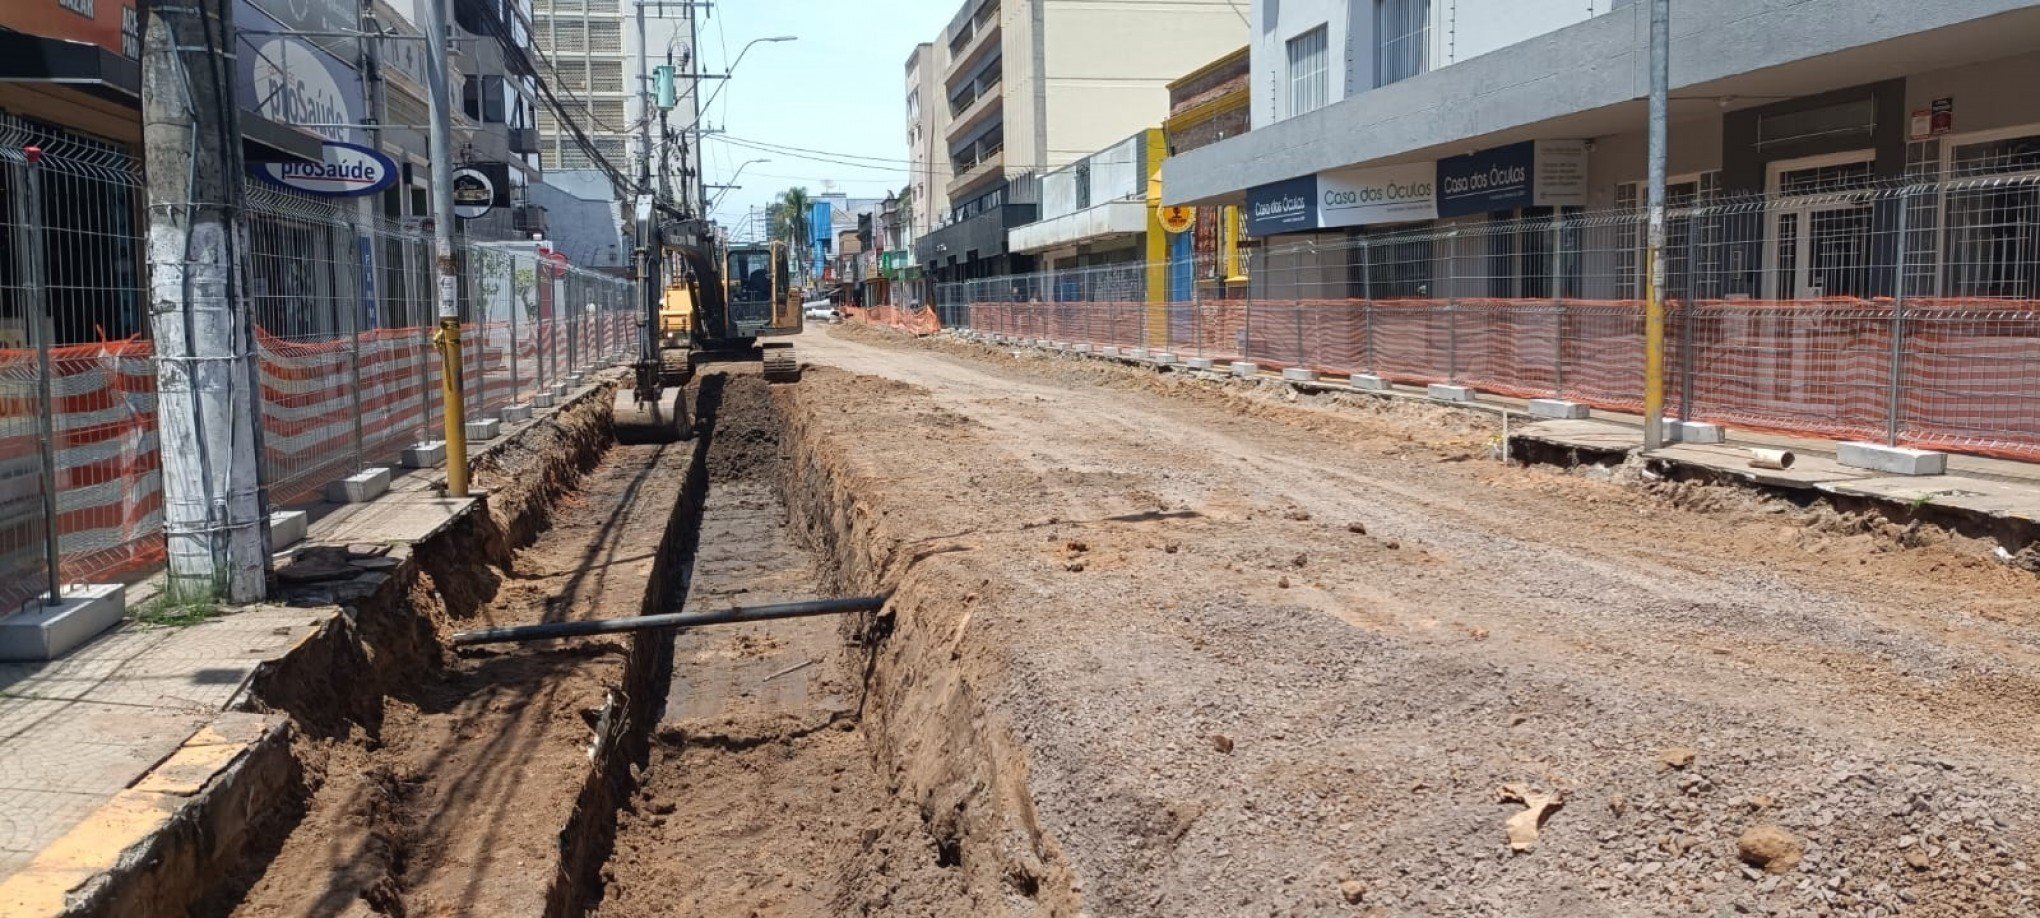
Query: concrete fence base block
point(542, 400)
point(1245, 368)
point(360, 487)
point(1445, 393)
point(425, 455)
point(287, 528)
point(1059, 345)
point(1897, 460)
point(1369, 382)
point(1299, 374)
point(484, 429)
point(1139, 353)
point(1081, 348)
point(559, 390)
point(1558, 409)
point(1198, 363)
point(1108, 352)
point(1694, 432)
point(515, 413)
point(39, 631)
point(1163, 359)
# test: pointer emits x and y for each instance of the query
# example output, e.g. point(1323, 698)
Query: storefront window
point(1993, 227)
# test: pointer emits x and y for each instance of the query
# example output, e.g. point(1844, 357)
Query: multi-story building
point(927, 197)
point(1474, 119)
point(1208, 105)
point(592, 61)
point(1033, 85)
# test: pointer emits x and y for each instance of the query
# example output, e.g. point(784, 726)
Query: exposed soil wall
point(941, 747)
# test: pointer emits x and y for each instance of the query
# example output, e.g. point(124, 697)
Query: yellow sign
point(1179, 219)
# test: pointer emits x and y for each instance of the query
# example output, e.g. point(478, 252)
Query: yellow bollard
point(448, 342)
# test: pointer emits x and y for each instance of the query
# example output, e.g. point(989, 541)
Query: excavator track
point(780, 364)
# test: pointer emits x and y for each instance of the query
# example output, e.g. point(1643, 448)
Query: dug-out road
point(1259, 653)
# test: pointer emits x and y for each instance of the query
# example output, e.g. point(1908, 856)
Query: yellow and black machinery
point(717, 304)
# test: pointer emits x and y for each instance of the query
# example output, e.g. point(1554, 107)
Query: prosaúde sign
point(346, 171)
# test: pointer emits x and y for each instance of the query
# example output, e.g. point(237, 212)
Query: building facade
point(1818, 150)
point(1035, 85)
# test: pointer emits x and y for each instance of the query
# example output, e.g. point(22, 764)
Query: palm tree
point(792, 219)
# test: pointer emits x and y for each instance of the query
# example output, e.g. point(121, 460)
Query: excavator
point(718, 304)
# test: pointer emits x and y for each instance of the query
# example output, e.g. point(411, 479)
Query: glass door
point(1821, 225)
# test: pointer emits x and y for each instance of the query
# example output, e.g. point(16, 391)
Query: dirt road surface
point(1269, 655)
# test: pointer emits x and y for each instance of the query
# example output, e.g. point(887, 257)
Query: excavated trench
point(812, 767)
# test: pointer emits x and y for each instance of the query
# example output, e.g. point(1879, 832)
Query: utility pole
point(440, 148)
point(1654, 254)
point(214, 518)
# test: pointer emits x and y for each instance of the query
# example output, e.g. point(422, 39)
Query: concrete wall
point(1275, 22)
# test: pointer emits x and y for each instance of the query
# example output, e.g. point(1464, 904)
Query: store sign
point(474, 193)
point(110, 24)
point(1534, 173)
point(346, 171)
point(1365, 197)
point(294, 81)
point(1288, 206)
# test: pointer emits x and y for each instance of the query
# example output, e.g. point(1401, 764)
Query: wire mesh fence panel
point(1971, 380)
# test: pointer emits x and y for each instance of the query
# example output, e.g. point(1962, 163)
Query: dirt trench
point(766, 794)
point(438, 782)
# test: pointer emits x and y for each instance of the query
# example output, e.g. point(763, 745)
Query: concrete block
point(1897, 460)
point(574, 378)
point(426, 454)
point(1059, 345)
point(1693, 432)
point(361, 487)
point(484, 429)
point(542, 400)
point(1081, 348)
point(1139, 353)
point(287, 528)
point(1108, 352)
point(1444, 393)
point(1369, 382)
point(1198, 363)
point(1558, 409)
point(45, 632)
point(1163, 358)
point(559, 390)
point(1299, 374)
point(515, 413)
point(1246, 368)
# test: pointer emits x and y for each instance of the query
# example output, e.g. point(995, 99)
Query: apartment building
point(1034, 85)
point(927, 198)
point(1882, 148)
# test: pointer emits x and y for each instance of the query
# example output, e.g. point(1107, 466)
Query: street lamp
point(702, 112)
point(732, 183)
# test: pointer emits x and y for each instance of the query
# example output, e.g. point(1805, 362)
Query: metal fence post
point(1300, 361)
point(1557, 300)
point(516, 380)
point(1689, 315)
point(352, 307)
point(1897, 410)
point(1367, 304)
point(1452, 307)
point(37, 306)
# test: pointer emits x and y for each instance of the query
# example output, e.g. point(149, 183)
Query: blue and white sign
point(1366, 197)
point(1288, 206)
point(1539, 173)
point(347, 171)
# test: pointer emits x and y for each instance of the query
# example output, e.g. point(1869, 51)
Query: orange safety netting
point(917, 320)
point(1965, 378)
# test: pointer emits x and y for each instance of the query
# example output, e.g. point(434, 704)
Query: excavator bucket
point(780, 365)
point(660, 420)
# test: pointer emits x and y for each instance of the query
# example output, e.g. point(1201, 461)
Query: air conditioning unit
point(528, 218)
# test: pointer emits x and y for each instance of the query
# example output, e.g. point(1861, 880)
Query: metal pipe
point(813, 607)
point(440, 145)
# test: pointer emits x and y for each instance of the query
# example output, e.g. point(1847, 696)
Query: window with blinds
point(1402, 39)
point(1309, 73)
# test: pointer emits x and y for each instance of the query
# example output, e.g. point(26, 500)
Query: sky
point(841, 88)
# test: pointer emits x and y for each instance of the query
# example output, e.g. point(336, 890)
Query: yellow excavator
point(717, 305)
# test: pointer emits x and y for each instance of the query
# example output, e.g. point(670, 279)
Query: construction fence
point(1903, 313)
point(348, 375)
